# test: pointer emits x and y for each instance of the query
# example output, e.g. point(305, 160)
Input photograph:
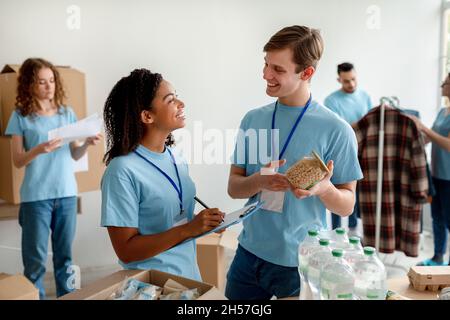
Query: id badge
point(273, 200)
point(180, 219)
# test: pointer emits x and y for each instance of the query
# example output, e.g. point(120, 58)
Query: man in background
point(351, 104)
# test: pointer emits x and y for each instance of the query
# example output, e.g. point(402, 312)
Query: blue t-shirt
point(440, 158)
point(350, 106)
point(49, 175)
point(274, 236)
point(137, 195)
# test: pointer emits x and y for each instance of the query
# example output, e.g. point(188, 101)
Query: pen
point(203, 204)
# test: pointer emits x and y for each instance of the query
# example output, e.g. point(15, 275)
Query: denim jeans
point(352, 219)
point(252, 278)
point(37, 219)
point(440, 213)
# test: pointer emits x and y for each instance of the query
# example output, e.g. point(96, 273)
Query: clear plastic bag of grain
point(305, 173)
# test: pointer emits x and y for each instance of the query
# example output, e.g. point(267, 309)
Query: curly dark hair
point(122, 113)
point(26, 103)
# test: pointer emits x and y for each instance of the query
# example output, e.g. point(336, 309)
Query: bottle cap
point(312, 233)
point(354, 240)
point(368, 251)
point(337, 253)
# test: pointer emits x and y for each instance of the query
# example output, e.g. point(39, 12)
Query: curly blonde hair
point(26, 103)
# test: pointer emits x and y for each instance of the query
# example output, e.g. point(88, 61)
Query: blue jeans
point(37, 219)
point(352, 219)
point(252, 278)
point(440, 213)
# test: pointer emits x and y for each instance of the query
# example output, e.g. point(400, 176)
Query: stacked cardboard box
point(75, 89)
point(211, 256)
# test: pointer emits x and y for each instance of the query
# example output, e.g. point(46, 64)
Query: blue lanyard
point(178, 190)
point(293, 128)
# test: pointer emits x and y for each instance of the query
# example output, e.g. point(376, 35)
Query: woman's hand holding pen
point(205, 221)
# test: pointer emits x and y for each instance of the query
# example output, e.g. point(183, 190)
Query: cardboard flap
point(17, 287)
point(212, 239)
point(10, 68)
point(213, 294)
point(227, 239)
point(4, 275)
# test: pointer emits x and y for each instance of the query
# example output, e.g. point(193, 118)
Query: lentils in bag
point(306, 172)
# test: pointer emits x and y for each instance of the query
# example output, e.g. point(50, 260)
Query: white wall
point(211, 50)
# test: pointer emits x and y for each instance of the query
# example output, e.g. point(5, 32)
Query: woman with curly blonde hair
point(48, 191)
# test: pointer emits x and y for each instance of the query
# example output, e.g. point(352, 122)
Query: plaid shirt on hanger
point(405, 184)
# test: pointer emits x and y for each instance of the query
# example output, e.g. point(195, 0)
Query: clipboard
point(232, 219)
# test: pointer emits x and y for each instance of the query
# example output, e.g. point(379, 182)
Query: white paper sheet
point(80, 130)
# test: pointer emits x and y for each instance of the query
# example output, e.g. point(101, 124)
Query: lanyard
point(293, 128)
point(178, 190)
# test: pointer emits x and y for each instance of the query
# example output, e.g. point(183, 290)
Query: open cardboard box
point(211, 256)
point(17, 287)
point(104, 288)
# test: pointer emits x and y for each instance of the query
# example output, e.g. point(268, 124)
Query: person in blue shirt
point(351, 103)
point(48, 191)
point(266, 260)
point(147, 194)
point(439, 136)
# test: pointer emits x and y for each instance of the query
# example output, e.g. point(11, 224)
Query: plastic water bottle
point(306, 247)
point(340, 239)
point(317, 260)
point(354, 251)
point(337, 278)
point(370, 277)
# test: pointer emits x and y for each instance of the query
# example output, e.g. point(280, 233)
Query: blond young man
point(266, 261)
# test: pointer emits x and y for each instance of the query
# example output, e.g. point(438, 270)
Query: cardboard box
point(12, 177)
point(429, 278)
point(104, 288)
point(17, 287)
point(73, 83)
point(211, 256)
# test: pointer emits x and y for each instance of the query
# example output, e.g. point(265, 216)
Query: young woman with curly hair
point(147, 194)
point(48, 191)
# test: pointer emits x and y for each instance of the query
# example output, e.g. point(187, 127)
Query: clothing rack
point(384, 101)
point(392, 102)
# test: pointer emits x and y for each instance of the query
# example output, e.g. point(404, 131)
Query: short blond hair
point(306, 45)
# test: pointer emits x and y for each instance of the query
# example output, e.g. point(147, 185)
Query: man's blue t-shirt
point(274, 236)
